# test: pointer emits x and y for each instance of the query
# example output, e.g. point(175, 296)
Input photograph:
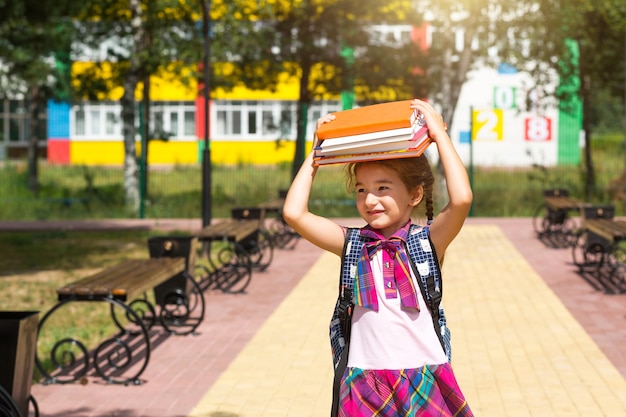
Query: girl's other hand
point(436, 126)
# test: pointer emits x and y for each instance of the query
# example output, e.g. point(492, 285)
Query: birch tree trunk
point(131, 166)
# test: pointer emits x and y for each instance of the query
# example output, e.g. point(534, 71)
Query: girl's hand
point(324, 119)
point(436, 126)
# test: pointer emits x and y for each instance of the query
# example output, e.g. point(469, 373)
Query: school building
point(500, 121)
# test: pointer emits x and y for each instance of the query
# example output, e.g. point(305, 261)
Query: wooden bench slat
point(232, 230)
point(126, 280)
point(564, 203)
point(607, 229)
point(273, 205)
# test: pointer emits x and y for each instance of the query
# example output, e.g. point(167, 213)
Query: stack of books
point(369, 133)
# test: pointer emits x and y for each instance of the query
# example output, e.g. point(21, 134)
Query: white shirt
point(394, 337)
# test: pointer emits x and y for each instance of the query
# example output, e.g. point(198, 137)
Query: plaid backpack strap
point(342, 315)
point(426, 266)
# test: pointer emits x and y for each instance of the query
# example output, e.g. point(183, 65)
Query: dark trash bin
point(18, 343)
point(173, 247)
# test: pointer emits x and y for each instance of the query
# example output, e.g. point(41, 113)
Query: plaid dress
point(428, 391)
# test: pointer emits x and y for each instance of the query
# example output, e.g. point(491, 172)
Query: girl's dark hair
point(414, 172)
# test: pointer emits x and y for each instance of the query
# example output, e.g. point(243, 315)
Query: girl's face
point(382, 199)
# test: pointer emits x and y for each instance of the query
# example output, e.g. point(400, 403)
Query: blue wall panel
point(58, 120)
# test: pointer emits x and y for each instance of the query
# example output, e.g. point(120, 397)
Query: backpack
point(424, 263)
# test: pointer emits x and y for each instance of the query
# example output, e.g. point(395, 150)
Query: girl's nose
point(371, 199)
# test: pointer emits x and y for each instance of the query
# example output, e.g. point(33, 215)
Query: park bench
point(599, 248)
point(552, 220)
point(281, 234)
point(228, 266)
point(125, 288)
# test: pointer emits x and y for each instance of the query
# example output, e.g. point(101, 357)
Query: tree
point(579, 40)
point(151, 37)
point(311, 40)
point(35, 36)
point(553, 40)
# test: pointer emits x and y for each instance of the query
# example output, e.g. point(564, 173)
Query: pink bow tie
point(396, 270)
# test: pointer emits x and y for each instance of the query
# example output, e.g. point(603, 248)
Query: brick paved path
point(530, 338)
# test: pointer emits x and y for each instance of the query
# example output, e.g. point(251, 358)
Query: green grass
point(79, 192)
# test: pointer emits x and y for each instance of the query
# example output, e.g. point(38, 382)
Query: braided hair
point(414, 172)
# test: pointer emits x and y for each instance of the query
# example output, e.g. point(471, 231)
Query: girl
point(396, 365)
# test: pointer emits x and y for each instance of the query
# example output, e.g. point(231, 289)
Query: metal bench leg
point(183, 308)
point(613, 275)
point(71, 359)
point(259, 249)
point(235, 272)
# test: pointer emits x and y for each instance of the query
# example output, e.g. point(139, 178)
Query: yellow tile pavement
point(517, 351)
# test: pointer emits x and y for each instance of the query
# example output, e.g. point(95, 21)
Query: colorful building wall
point(497, 123)
point(500, 120)
point(65, 148)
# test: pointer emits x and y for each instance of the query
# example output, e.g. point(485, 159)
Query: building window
point(15, 123)
point(190, 123)
point(79, 119)
point(264, 120)
point(102, 121)
point(174, 122)
point(95, 122)
point(110, 123)
point(252, 122)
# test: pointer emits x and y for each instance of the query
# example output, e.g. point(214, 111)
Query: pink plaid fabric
point(429, 391)
point(396, 269)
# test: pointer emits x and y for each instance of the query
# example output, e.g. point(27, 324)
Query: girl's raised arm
point(449, 221)
point(318, 230)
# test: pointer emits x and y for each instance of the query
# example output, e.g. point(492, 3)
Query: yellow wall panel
point(288, 89)
point(222, 153)
point(160, 152)
point(262, 153)
point(168, 86)
point(96, 153)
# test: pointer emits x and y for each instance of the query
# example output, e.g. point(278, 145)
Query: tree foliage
point(581, 40)
point(553, 40)
point(328, 45)
point(32, 36)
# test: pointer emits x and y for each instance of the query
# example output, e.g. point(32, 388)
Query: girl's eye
point(360, 190)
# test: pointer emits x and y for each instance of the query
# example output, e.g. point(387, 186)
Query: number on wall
point(487, 124)
point(538, 129)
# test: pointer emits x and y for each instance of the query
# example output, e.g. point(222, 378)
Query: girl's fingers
point(325, 119)
point(430, 114)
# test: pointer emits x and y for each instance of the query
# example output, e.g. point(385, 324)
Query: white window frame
point(231, 122)
point(98, 117)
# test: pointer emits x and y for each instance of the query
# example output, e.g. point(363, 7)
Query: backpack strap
point(341, 321)
point(425, 264)
point(339, 325)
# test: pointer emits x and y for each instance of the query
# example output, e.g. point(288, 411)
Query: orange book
point(373, 118)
